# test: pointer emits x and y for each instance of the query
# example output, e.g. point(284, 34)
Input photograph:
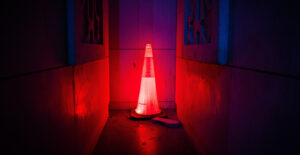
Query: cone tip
point(148, 46)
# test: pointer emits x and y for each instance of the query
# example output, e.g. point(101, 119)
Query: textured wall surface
point(91, 102)
point(202, 98)
point(48, 107)
point(33, 36)
point(262, 113)
point(90, 48)
point(268, 43)
point(133, 23)
point(248, 106)
point(237, 111)
point(40, 114)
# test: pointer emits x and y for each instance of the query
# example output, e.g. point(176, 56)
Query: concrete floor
point(124, 136)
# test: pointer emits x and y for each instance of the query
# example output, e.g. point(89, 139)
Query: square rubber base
point(134, 115)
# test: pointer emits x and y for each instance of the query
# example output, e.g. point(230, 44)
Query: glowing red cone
point(148, 103)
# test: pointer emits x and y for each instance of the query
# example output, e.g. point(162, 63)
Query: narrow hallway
point(72, 72)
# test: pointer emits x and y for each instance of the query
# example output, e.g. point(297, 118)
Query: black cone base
point(136, 116)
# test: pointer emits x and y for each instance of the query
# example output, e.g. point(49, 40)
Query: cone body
point(148, 102)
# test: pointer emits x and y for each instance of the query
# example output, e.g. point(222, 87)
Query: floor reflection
point(124, 136)
point(148, 138)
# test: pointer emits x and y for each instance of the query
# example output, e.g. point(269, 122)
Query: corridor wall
point(246, 106)
point(49, 107)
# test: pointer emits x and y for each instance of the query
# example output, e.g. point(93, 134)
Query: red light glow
point(147, 137)
point(148, 102)
point(80, 110)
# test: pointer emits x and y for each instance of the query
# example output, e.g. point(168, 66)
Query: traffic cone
point(148, 105)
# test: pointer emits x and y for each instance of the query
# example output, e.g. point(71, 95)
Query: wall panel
point(134, 23)
point(38, 112)
point(43, 115)
point(231, 110)
point(91, 102)
point(268, 43)
point(33, 36)
point(203, 99)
